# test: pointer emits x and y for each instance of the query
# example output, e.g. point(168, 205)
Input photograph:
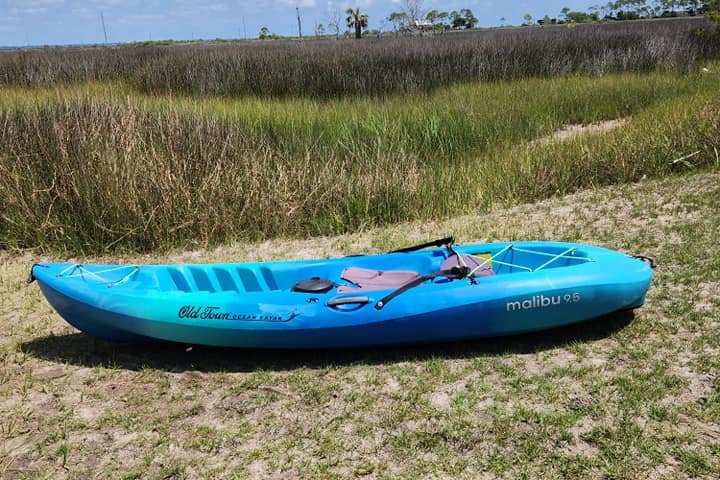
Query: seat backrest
point(471, 262)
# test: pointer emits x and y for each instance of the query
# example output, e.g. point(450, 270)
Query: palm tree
point(356, 20)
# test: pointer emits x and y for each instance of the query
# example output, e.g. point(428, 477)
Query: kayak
point(434, 292)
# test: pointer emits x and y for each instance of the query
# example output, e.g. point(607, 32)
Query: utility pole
point(297, 9)
point(244, 29)
point(102, 20)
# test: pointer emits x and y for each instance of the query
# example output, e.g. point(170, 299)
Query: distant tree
point(693, 6)
point(564, 12)
point(670, 5)
point(644, 10)
point(601, 11)
point(580, 17)
point(413, 9)
point(457, 21)
point(463, 19)
point(438, 19)
point(436, 16)
point(357, 21)
point(629, 9)
point(633, 5)
point(470, 20)
point(528, 19)
point(502, 21)
point(398, 19)
point(319, 30)
point(264, 33)
point(334, 22)
point(627, 15)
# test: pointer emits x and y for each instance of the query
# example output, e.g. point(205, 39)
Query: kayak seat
point(471, 262)
point(365, 279)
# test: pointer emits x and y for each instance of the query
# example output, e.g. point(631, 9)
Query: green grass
point(451, 123)
point(101, 167)
point(623, 397)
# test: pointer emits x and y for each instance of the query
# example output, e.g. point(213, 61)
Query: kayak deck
point(278, 276)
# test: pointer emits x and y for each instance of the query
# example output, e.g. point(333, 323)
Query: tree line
point(626, 10)
point(413, 18)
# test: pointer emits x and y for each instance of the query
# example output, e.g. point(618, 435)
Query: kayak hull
point(144, 309)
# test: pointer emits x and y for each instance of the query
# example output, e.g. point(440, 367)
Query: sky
point(63, 22)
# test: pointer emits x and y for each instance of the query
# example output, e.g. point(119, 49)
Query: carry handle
point(649, 260)
point(339, 301)
point(31, 276)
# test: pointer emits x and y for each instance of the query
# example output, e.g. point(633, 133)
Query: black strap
point(435, 243)
point(649, 260)
point(455, 273)
point(31, 276)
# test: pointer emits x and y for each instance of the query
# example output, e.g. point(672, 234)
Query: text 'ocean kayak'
point(429, 293)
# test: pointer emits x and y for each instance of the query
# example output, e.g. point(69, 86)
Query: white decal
point(541, 301)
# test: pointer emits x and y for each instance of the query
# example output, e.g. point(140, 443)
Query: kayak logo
point(541, 301)
point(207, 312)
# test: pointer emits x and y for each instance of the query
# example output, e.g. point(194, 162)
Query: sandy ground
point(629, 396)
point(570, 132)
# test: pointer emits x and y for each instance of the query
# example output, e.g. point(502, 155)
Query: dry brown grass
point(331, 69)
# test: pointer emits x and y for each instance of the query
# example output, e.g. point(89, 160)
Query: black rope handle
point(649, 260)
point(435, 243)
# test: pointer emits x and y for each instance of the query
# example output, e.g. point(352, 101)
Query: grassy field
point(626, 397)
point(101, 167)
point(607, 134)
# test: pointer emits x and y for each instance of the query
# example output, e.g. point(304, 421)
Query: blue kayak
point(428, 293)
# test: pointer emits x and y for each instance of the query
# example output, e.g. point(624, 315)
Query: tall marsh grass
point(144, 148)
point(86, 171)
point(331, 69)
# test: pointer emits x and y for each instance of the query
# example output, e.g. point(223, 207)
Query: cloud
point(33, 3)
point(141, 17)
point(31, 7)
point(298, 3)
point(82, 12)
point(217, 7)
point(27, 10)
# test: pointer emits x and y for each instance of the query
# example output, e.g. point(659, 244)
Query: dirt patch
point(572, 131)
